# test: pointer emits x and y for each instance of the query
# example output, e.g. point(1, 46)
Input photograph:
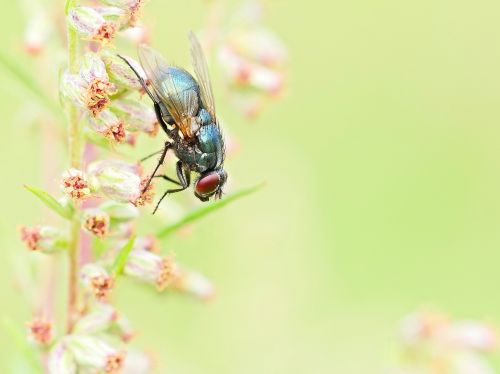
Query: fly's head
point(210, 184)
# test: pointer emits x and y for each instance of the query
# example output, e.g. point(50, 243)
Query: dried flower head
point(90, 88)
point(75, 184)
point(146, 196)
point(40, 331)
point(93, 352)
point(97, 279)
point(151, 268)
point(43, 238)
point(96, 222)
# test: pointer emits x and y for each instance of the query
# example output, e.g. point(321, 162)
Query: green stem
point(75, 151)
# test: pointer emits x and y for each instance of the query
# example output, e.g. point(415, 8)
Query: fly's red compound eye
point(208, 184)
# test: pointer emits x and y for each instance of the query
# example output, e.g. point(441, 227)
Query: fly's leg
point(151, 155)
point(168, 145)
point(185, 179)
point(167, 178)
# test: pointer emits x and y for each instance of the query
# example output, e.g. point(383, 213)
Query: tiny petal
point(44, 239)
point(61, 360)
point(96, 353)
point(96, 222)
point(151, 268)
point(137, 362)
point(97, 279)
point(75, 184)
point(116, 180)
point(40, 331)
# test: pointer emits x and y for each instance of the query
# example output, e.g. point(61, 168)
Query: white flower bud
point(45, 239)
point(109, 125)
point(61, 360)
point(115, 179)
point(99, 319)
point(92, 25)
point(195, 284)
point(96, 279)
point(120, 212)
point(151, 268)
point(120, 72)
point(93, 352)
point(137, 114)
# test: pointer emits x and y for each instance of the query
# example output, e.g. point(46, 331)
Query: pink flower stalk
point(75, 184)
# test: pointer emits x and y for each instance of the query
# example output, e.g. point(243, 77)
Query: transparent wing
point(201, 69)
point(181, 104)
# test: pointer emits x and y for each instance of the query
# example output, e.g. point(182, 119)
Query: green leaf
point(64, 211)
point(28, 81)
point(122, 257)
point(207, 209)
point(19, 339)
point(98, 247)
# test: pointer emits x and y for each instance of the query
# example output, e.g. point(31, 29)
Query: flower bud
point(136, 362)
point(119, 212)
point(195, 284)
point(45, 239)
point(151, 268)
point(137, 35)
point(123, 328)
point(109, 125)
point(61, 360)
point(92, 25)
point(120, 73)
point(95, 353)
point(115, 179)
point(137, 114)
point(99, 319)
point(97, 279)
point(37, 31)
point(472, 335)
point(146, 196)
point(96, 222)
point(40, 331)
point(75, 184)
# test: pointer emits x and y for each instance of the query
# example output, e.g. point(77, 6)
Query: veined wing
point(201, 69)
point(181, 104)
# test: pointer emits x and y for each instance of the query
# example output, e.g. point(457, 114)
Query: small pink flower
point(109, 125)
point(146, 196)
point(43, 238)
point(137, 115)
point(75, 185)
point(40, 331)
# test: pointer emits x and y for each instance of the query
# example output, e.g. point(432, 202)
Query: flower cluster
point(435, 344)
point(101, 199)
point(252, 58)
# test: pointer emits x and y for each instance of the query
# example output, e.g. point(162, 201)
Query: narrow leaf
point(28, 81)
point(122, 257)
point(64, 211)
point(19, 339)
point(207, 209)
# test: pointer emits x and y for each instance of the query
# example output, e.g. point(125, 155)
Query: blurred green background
point(382, 191)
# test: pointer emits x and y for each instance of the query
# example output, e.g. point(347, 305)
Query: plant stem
point(75, 151)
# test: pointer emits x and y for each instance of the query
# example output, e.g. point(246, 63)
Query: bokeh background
point(381, 165)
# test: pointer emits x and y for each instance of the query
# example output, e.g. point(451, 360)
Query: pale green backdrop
point(382, 195)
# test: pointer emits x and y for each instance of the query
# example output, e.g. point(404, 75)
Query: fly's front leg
point(141, 80)
point(168, 145)
point(184, 176)
point(167, 178)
